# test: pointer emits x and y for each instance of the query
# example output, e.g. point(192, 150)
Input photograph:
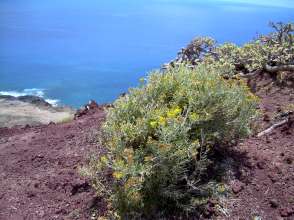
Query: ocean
point(71, 51)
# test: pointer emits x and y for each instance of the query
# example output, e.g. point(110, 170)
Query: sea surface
point(71, 51)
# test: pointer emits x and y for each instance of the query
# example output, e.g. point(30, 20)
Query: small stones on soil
point(237, 187)
point(289, 160)
point(266, 118)
point(261, 165)
point(286, 212)
point(274, 203)
point(273, 178)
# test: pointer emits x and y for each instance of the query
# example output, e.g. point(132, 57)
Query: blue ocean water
point(77, 50)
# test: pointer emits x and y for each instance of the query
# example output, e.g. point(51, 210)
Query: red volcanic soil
point(263, 185)
point(40, 180)
point(39, 169)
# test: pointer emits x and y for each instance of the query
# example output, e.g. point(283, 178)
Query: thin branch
point(274, 69)
point(249, 75)
point(270, 129)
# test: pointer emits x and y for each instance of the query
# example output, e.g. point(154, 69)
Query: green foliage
point(197, 50)
point(274, 49)
point(159, 137)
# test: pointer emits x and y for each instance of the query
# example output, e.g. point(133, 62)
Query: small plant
point(159, 138)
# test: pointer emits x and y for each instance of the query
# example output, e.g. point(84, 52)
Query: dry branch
point(274, 69)
point(270, 129)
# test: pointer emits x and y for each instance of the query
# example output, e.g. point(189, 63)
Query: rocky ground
point(263, 185)
point(39, 176)
point(40, 179)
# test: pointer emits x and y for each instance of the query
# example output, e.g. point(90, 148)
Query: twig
point(270, 129)
point(274, 69)
point(249, 75)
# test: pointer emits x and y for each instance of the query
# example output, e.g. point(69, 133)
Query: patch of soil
point(39, 176)
point(267, 174)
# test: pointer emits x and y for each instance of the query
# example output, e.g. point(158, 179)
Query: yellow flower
point(153, 124)
point(252, 97)
point(119, 163)
point(104, 159)
point(221, 188)
point(194, 116)
point(174, 112)
point(117, 175)
point(177, 110)
point(162, 120)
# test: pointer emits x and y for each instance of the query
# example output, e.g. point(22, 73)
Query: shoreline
point(31, 110)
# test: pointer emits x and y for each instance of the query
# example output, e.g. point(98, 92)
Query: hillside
point(38, 166)
point(40, 179)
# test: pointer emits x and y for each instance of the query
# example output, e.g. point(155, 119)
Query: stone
point(261, 165)
point(286, 212)
point(274, 203)
point(237, 187)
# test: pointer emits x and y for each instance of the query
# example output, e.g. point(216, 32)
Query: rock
point(80, 186)
point(92, 104)
point(274, 203)
point(123, 94)
point(36, 185)
point(31, 194)
point(261, 165)
point(34, 100)
point(237, 187)
point(286, 212)
point(86, 109)
point(80, 113)
point(61, 211)
point(273, 178)
point(256, 218)
point(289, 160)
point(266, 118)
point(8, 97)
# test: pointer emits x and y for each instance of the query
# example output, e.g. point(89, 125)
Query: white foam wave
point(53, 102)
point(34, 91)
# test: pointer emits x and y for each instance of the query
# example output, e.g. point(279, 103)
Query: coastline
point(31, 110)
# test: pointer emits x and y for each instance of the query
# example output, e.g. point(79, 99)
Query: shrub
point(272, 52)
point(197, 50)
point(158, 138)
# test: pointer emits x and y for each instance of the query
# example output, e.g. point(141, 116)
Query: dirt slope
point(264, 183)
point(38, 169)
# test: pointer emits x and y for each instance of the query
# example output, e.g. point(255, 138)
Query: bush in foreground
point(159, 136)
